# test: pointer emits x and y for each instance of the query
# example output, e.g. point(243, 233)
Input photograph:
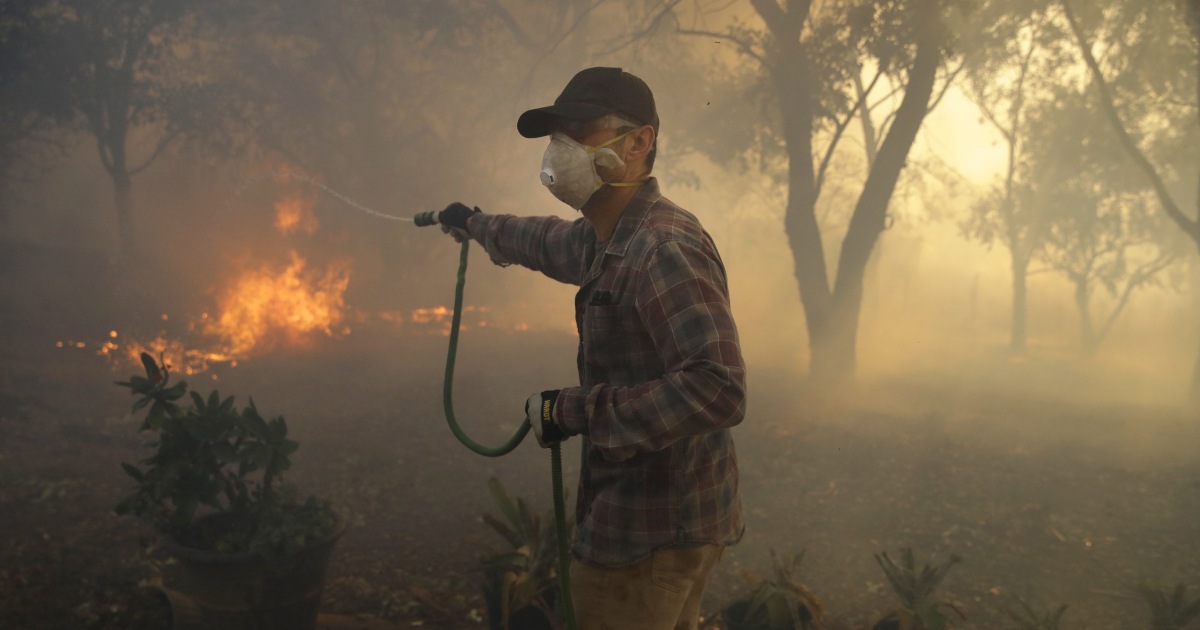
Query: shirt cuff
point(570, 410)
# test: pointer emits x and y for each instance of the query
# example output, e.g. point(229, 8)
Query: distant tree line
point(1097, 103)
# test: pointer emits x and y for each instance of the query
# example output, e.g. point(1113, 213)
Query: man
point(661, 373)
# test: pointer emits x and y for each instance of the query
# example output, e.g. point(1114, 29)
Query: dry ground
point(1055, 502)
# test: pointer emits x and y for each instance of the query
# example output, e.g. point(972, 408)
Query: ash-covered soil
point(1051, 501)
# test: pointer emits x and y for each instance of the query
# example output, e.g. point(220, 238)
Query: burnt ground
point(1055, 502)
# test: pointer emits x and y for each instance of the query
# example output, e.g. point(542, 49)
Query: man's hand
point(454, 220)
point(539, 409)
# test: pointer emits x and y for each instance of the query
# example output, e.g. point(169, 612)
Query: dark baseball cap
point(593, 93)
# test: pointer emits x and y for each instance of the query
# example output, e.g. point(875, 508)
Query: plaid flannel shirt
point(661, 374)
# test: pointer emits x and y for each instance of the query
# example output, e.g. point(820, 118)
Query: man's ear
point(642, 141)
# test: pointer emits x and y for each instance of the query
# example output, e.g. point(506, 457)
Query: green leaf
point(254, 424)
point(133, 471)
point(779, 614)
point(930, 615)
point(500, 496)
point(224, 452)
point(176, 391)
point(504, 530)
point(152, 371)
point(198, 402)
point(278, 429)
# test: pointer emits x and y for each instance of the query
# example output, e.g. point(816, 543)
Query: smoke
point(283, 283)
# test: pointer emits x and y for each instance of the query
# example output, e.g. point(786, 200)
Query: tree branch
point(841, 127)
point(946, 86)
point(743, 46)
point(651, 26)
point(506, 17)
point(162, 144)
point(1144, 274)
point(1107, 104)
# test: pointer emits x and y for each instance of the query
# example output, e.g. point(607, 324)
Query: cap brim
point(536, 123)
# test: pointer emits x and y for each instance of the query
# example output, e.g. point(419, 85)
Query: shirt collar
point(633, 216)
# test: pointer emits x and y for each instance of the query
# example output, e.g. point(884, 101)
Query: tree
point(30, 107)
point(1012, 56)
point(1101, 232)
point(131, 74)
point(807, 55)
point(1147, 84)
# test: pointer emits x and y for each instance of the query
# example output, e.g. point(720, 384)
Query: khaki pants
point(661, 592)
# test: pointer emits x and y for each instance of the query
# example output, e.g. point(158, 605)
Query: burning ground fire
point(267, 306)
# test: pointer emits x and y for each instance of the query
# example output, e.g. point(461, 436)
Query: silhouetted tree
point(1102, 232)
point(807, 55)
point(1149, 75)
point(31, 107)
point(132, 74)
point(1013, 53)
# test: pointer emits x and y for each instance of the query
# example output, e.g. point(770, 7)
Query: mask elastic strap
point(608, 142)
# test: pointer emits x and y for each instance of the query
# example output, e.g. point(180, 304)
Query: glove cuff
point(551, 431)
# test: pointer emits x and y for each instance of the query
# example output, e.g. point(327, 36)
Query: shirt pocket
point(616, 342)
point(606, 332)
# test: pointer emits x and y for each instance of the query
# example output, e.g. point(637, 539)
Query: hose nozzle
point(425, 218)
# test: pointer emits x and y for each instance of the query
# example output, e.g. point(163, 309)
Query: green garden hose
point(560, 520)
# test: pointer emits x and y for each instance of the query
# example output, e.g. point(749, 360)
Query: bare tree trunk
point(793, 85)
point(1020, 304)
point(870, 213)
point(1194, 390)
point(835, 349)
point(123, 200)
point(1089, 341)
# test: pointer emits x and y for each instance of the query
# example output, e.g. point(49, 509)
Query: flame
point(442, 316)
point(266, 306)
point(295, 214)
point(271, 305)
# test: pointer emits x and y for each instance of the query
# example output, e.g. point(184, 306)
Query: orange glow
point(267, 306)
point(295, 214)
point(178, 357)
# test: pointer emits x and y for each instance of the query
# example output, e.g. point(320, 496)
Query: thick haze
point(427, 121)
point(404, 107)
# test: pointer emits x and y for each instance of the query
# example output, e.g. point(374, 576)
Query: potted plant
point(520, 584)
point(780, 602)
point(918, 610)
point(254, 554)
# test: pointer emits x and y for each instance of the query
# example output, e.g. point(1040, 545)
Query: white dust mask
point(569, 168)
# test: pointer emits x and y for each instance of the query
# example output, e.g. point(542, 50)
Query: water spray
point(286, 173)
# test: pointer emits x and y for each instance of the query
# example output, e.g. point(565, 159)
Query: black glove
point(455, 215)
point(539, 409)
